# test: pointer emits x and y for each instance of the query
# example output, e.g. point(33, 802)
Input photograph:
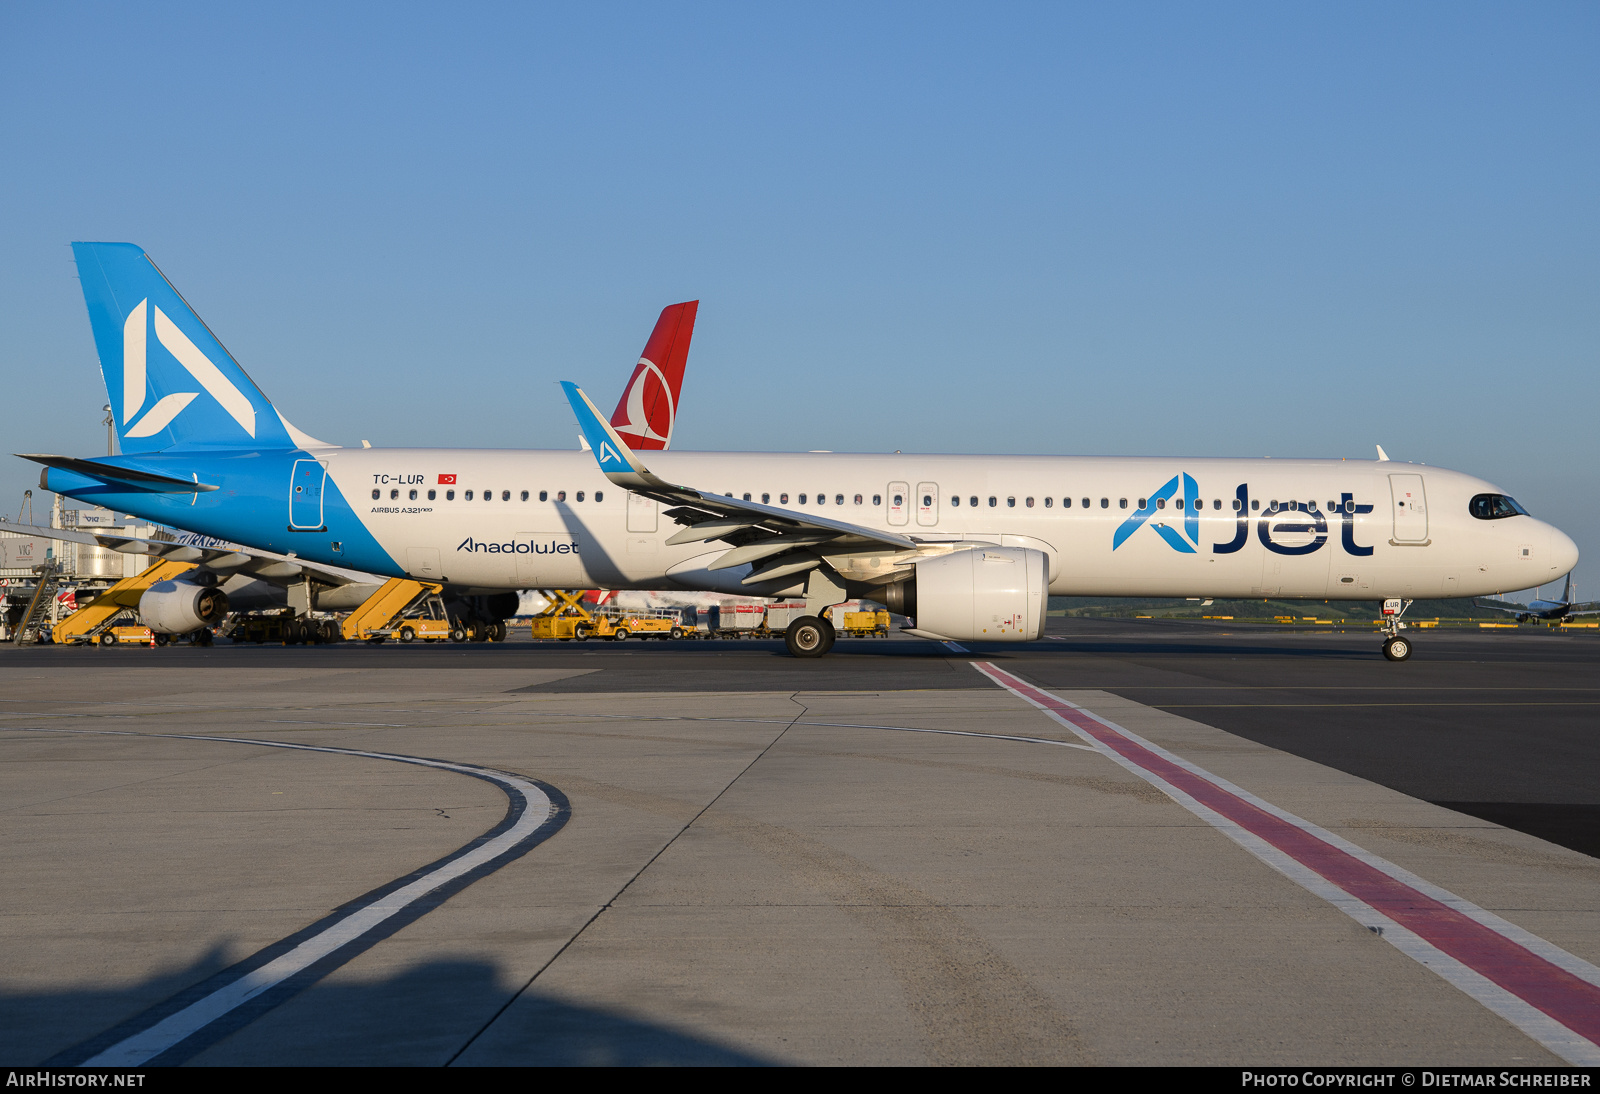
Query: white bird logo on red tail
point(641, 423)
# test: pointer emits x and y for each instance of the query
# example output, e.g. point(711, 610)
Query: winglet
point(617, 461)
point(1383, 457)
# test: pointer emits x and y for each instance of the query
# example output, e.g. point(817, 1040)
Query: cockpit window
point(1494, 507)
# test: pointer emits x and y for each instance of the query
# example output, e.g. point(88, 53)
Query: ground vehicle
point(659, 623)
point(870, 624)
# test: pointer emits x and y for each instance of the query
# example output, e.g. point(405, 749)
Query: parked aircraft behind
point(1565, 608)
point(251, 580)
point(971, 546)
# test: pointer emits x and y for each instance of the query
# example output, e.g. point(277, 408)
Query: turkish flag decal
point(447, 480)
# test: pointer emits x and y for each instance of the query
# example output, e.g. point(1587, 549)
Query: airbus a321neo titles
point(970, 547)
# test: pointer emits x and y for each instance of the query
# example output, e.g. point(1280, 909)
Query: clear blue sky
point(1185, 229)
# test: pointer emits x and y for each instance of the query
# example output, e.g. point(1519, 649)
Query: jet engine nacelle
point(176, 607)
point(986, 594)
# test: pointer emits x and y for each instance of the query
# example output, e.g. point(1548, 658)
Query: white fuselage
point(1341, 529)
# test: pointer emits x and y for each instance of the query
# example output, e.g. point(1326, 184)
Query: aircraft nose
point(1563, 553)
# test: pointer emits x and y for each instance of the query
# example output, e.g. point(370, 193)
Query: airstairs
point(48, 582)
point(82, 625)
point(381, 610)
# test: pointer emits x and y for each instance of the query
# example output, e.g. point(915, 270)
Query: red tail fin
point(649, 405)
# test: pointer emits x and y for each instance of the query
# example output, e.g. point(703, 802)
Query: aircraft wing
point(204, 552)
point(1509, 608)
point(775, 542)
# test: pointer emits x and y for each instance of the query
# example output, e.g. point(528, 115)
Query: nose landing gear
point(1395, 647)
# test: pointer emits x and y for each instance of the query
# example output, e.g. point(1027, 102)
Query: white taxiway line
point(532, 810)
point(1548, 993)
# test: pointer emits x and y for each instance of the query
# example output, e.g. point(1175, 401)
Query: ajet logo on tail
point(135, 370)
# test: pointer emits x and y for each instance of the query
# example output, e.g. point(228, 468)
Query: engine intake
point(177, 607)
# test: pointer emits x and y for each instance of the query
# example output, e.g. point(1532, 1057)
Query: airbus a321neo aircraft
point(970, 546)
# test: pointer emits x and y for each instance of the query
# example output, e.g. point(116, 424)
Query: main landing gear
point(809, 636)
point(1395, 646)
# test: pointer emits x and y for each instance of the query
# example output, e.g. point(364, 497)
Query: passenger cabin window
point(993, 501)
point(858, 499)
point(802, 499)
point(431, 495)
point(783, 499)
point(838, 499)
point(449, 495)
point(877, 499)
point(747, 495)
point(561, 495)
point(376, 494)
point(1105, 503)
point(1011, 503)
point(1028, 502)
point(822, 499)
point(505, 495)
point(1086, 503)
point(1493, 507)
point(393, 494)
point(766, 498)
point(1216, 503)
point(897, 502)
point(1255, 503)
point(1122, 503)
point(1161, 503)
point(1066, 503)
point(524, 495)
point(972, 502)
point(580, 495)
point(1048, 502)
point(1237, 505)
point(598, 496)
point(413, 495)
point(466, 495)
point(488, 495)
point(544, 495)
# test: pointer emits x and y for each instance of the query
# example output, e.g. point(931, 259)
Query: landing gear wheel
point(1397, 648)
point(809, 636)
point(329, 631)
point(498, 630)
point(477, 631)
point(161, 640)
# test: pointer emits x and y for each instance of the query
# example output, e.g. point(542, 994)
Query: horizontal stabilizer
point(148, 481)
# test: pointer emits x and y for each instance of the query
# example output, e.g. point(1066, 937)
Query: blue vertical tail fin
point(169, 380)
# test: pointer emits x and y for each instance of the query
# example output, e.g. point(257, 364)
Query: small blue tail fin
point(169, 380)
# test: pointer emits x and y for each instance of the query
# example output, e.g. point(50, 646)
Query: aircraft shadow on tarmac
point(433, 1014)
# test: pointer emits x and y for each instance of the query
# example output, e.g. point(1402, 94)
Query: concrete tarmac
point(766, 868)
